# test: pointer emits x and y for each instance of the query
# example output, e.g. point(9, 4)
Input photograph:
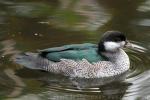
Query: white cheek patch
point(113, 46)
point(122, 44)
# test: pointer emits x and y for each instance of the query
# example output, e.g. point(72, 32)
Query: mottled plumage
point(80, 68)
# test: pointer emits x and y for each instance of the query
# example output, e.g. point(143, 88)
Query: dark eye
point(117, 39)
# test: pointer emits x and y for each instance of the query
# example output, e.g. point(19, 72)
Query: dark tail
point(29, 60)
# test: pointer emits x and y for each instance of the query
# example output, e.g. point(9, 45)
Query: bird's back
point(74, 52)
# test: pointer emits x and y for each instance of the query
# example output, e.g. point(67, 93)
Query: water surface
point(29, 25)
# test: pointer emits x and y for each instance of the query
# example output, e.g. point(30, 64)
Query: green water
point(29, 25)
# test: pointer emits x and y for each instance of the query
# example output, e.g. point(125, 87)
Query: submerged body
point(86, 60)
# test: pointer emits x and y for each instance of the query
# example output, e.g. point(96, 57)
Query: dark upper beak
point(134, 47)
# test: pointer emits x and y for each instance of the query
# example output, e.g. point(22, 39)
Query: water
point(29, 25)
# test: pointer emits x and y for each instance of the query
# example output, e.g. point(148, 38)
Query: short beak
point(134, 47)
point(128, 44)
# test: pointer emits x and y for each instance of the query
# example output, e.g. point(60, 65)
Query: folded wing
point(75, 52)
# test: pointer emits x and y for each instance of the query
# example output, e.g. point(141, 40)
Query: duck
point(85, 60)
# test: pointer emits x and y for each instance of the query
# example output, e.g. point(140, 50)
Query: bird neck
point(119, 58)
